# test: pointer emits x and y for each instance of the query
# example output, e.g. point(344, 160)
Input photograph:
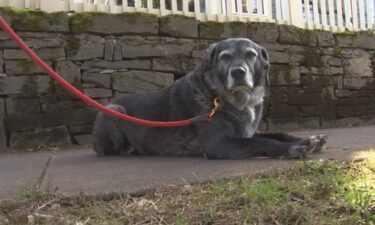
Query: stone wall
point(318, 79)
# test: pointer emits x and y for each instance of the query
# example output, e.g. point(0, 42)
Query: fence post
point(362, 10)
point(17, 3)
point(4, 2)
point(230, 9)
point(295, 13)
point(54, 5)
point(268, 10)
point(340, 23)
point(316, 21)
point(211, 9)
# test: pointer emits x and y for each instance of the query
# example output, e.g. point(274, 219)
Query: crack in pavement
point(42, 175)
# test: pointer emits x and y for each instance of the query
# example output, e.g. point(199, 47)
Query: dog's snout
point(238, 72)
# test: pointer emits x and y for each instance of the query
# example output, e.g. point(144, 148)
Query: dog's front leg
point(241, 148)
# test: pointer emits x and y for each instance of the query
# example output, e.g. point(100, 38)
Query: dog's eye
point(251, 54)
point(225, 56)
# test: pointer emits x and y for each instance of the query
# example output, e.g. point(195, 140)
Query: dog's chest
point(244, 124)
point(244, 130)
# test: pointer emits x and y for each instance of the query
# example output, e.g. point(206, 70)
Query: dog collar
point(217, 104)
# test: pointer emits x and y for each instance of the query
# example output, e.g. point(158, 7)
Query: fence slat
point(339, 16)
point(103, 8)
point(125, 6)
point(185, 6)
point(211, 8)
point(316, 14)
point(17, 3)
point(37, 4)
point(30, 4)
point(336, 15)
point(229, 9)
point(331, 13)
point(174, 6)
point(219, 9)
point(137, 4)
point(249, 8)
point(87, 7)
point(295, 13)
point(279, 15)
point(259, 7)
point(4, 2)
point(348, 14)
point(362, 22)
point(150, 5)
point(197, 8)
point(268, 10)
point(355, 14)
point(323, 8)
point(71, 5)
point(54, 5)
point(307, 13)
point(370, 14)
point(239, 7)
point(162, 7)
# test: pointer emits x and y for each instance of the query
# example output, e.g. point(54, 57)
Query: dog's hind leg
point(108, 136)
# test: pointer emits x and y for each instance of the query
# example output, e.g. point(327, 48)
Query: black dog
point(234, 71)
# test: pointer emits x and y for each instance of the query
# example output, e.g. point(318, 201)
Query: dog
point(235, 72)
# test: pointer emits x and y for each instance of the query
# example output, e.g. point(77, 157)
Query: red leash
point(88, 100)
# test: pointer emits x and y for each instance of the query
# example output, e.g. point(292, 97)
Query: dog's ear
point(266, 62)
point(209, 58)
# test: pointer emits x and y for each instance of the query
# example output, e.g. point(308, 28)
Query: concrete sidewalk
point(80, 171)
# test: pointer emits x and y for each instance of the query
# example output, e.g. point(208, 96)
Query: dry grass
point(323, 192)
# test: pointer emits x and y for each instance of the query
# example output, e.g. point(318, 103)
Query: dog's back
point(113, 136)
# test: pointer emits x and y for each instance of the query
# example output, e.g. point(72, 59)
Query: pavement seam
point(42, 175)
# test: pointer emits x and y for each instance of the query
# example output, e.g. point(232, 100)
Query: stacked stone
point(317, 79)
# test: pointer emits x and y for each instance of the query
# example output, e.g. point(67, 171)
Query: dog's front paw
point(297, 152)
point(322, 140)
point(310, 143)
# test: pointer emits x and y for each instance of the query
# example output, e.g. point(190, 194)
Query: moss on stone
point(279, 69)
point(158, 41)
point(72, 46)
point(304, 35)
point(311, 58)
point(176, 16)
point(33, 19)
point(347, 33)
point(132, 17)
point(81, 22)
point(337, 50)
point(30, 87)
point(211, 23)
point(212, 29)
point(25, 64)
point(237, 28)
point(237, 23)
point(290, 53)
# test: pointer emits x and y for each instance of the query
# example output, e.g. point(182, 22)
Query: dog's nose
point(238, 72)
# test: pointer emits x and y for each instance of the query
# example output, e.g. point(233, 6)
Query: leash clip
point(217, 105)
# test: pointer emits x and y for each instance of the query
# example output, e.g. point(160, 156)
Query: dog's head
point(236, 70)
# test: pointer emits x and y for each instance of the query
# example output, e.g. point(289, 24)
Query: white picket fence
point(333, 15)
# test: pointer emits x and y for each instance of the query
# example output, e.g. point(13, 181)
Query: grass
point(312, 192)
